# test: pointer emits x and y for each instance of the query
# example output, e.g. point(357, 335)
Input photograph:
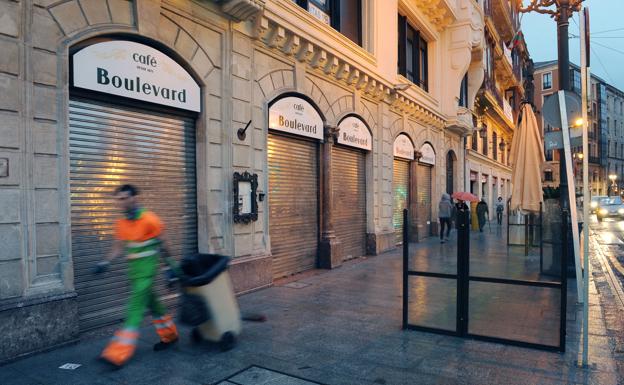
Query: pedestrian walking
point(482, 213)
point(445, 210)
point(500, 208)
point(140, 236)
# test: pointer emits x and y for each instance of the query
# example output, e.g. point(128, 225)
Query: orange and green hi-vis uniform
point(142, 248)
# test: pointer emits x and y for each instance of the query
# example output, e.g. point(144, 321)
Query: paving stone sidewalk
point(337, 327)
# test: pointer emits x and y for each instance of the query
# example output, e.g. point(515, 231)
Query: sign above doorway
point(403, 147)
point(353, 132)
point(136, 71)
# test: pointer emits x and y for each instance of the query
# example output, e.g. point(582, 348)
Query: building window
point(344, 16)
point(489, 61)
point(547, 81)
point(494, 146)
point(609, 148)
point(549, 155)
point(484, 141)
point(413, 55)
point(548, 176)
point(575, 80)
point(474, 141)
point(463, 92)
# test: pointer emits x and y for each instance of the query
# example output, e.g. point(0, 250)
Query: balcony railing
point(507, 54)
point(508, 110)
point(491, 88)
point(594, 159)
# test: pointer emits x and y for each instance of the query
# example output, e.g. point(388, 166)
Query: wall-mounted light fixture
point(241, 131)
point(501, 146)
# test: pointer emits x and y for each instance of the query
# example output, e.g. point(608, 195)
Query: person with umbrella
point(482, 213)
point(461, 206)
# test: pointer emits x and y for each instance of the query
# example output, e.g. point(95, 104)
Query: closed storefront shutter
point(293, 203)
point(349, 194)
point(111, 145)
point(400, 189)
point(424, 200)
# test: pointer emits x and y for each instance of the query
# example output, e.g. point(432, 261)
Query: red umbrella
point(465, 196)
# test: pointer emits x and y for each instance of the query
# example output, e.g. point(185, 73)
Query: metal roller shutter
point(110, 145)
point(293, 204)
point(424, 201)
point(400, 189)
point(349, 191)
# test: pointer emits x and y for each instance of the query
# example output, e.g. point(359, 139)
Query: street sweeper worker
point(140, 236)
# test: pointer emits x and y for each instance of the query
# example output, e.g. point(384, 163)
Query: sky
point(607, 38)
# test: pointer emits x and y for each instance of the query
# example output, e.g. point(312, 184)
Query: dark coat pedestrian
point(445, 211)
point(482, 213)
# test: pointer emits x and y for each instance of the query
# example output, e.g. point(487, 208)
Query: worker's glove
point(101, 267)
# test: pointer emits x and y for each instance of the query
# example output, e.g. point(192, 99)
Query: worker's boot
point(167, 332)
point(121, 348)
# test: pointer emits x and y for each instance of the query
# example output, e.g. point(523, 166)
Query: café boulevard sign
point(353, 132)
point(296, 116)
point(403, 147)
point(135, 71)
point(427, 154)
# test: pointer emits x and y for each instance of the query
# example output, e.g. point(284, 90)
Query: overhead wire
point(604, 68)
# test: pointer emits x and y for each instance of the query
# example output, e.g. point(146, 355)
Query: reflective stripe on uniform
point(126, 337)
point(149, 242)
point(142, 254)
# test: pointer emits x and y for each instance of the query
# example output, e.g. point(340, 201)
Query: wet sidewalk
point(339, 327)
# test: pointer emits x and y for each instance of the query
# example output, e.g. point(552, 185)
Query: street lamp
point(561, 13)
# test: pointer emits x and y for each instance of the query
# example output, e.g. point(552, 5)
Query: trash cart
point(208, 301)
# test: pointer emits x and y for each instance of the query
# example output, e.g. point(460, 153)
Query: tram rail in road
point(610, 233)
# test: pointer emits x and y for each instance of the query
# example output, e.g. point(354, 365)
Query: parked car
point(595, 201)
point(610, 207)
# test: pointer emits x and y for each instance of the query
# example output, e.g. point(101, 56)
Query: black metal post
point(463, 267)
point(564, 281)
point(541, 232)
point(508, 216)
point(405, 267)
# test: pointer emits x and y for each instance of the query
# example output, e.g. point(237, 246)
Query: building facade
point(599, 137)
point(613, 136)
point(280, 133)
point(488, 167)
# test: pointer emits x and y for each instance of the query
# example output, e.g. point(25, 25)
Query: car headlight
point(603, 211)
point(594, 204)
point(621, 211)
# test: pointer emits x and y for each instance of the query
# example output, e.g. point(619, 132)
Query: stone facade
point(241, 66)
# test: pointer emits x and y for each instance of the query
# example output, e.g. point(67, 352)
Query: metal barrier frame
point(463, 279)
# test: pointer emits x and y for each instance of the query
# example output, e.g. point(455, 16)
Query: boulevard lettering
point(137, 85)
point(296, 125)
point(354, 139)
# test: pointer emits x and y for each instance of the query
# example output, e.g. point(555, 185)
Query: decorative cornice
point(439, 13)
point(240, 10)
point(335, 65)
